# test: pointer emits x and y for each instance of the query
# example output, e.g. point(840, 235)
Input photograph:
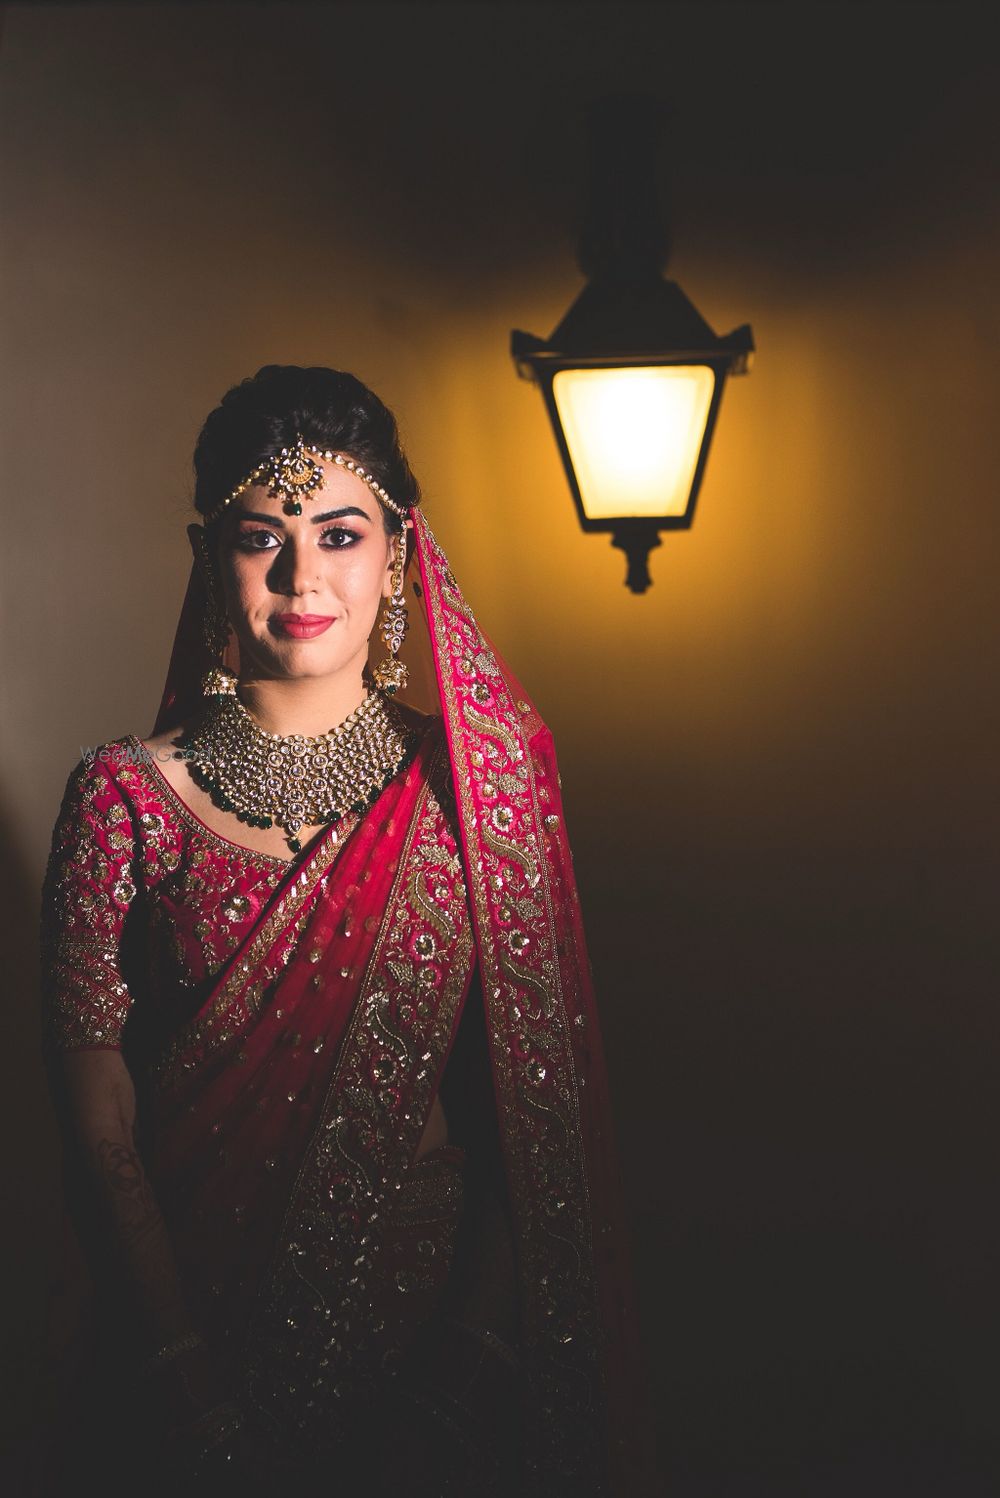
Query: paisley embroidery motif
point(527, 973)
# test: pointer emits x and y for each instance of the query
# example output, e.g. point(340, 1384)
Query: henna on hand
point(140, 1239)
point(123, 1172)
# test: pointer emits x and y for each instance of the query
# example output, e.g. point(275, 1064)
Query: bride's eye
point(342, 537)
point(256, 540)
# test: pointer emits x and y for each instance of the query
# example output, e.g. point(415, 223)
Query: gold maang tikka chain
point(294, 473)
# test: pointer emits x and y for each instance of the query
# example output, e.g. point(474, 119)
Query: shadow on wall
point(31, 1167)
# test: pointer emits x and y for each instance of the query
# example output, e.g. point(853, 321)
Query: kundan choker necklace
point(298, 780)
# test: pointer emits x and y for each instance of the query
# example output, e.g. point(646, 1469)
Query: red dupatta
point(588, 1429)
point(341, 1008)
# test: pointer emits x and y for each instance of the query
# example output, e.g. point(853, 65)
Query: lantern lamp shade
point(634, 436)
point(632, 380)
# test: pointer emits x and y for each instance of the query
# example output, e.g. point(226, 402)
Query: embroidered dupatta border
point(266, 950)
point(531, 980)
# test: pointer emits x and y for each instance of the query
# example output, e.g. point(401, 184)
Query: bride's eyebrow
point(316, 519)
point(338, 514)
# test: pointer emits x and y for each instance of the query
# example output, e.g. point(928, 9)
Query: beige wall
point(778, 764)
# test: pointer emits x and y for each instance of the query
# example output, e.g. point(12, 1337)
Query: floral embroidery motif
point(135, 884)
point(86, 894)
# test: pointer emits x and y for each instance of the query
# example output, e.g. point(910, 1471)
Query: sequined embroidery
point(130, 871)
point(298, 1373)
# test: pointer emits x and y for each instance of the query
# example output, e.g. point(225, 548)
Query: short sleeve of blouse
point(86, 894)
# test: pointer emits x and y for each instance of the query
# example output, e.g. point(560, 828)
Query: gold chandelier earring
point(217, 682)
point(390, 675)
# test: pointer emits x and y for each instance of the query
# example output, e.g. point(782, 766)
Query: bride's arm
point(100, 1115)
point(91, 880)
point(127, 1233)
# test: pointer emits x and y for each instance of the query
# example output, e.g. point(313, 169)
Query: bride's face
point(332, 564)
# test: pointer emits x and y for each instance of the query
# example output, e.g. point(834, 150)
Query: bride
point(341, 1192)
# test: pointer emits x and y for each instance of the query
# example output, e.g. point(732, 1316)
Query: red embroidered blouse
point(141, 902)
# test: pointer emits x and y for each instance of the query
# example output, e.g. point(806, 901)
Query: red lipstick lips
point(302, 626)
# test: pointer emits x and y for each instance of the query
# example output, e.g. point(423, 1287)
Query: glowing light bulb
point(634, 435)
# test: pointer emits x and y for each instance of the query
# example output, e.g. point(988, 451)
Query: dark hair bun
point(331, 408)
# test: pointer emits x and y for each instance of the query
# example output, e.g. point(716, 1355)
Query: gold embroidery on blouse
point(84, 999)
point(94, 869)
point(154, 776)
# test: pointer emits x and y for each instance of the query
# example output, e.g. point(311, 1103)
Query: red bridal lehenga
point(466, 1315)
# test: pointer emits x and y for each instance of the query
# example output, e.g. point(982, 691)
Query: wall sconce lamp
point(633, 375)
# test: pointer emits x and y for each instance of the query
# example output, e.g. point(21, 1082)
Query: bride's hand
point(192, 1412)
point(187, 1387)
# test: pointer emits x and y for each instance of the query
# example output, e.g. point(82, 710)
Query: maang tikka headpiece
point(294, 473)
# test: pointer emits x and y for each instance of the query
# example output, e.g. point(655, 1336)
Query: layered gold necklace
point(297, 780)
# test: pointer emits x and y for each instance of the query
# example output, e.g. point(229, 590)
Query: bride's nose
point(300, 568)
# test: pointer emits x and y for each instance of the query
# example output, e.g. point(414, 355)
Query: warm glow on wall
point(634, 435)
